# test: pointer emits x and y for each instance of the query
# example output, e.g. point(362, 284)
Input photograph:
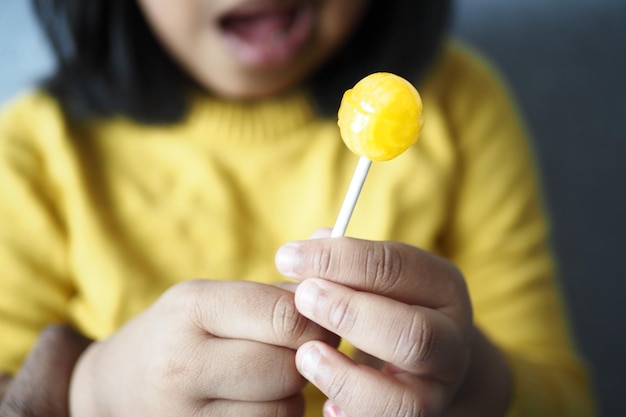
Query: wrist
point(41, 388)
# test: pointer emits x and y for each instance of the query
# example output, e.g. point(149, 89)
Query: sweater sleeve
point(34, 285)
point(499, 238)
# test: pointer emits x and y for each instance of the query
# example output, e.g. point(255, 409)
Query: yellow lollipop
point(381, 116)
point(378, 119)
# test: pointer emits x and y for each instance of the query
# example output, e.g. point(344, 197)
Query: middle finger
point(417, 339)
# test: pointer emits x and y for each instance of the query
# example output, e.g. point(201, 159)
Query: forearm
point(41, 387)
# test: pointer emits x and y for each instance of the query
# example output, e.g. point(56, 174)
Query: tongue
point(260, 26)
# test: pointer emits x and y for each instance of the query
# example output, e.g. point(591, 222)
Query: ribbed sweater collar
point(250, 122)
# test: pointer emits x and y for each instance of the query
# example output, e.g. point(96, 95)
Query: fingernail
point(310, 363)
point(287, 257)
point(307, 297)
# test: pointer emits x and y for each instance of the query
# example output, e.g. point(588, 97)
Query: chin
point(252, 89)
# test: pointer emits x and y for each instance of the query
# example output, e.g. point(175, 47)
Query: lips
point(267, 36)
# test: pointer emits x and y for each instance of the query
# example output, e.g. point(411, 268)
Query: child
point(191, 139)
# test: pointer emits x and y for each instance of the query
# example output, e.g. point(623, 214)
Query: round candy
point(381, 116)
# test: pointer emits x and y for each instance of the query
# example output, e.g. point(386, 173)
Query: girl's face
point(247, 49)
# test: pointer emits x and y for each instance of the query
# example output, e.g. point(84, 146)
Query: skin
point(205, 348)
point(409, 313)
point(190, 30)
point(239, 348)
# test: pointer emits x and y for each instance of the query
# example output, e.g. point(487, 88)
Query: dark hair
point(109, 63)
point(399, 36)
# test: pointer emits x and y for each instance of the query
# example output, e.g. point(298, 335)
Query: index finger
point(396, 270)
point(247, 311)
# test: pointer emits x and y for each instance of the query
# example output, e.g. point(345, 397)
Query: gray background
point(566, 61)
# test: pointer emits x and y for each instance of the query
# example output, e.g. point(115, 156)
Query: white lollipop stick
point(360, 173)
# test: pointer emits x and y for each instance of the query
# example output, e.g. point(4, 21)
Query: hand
point(407, 308)
point(41, 387)
point(204, 348)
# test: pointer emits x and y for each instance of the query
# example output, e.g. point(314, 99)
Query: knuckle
point(416, 342)
point(182, 292)
point(341, 316)
point(186, 300)
point(383, 265)
point(175, 367)
point(287, 323)
point(339, 388)
point(193, 307)
point(323, 261)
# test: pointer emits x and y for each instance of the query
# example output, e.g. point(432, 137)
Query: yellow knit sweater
point(96, 221)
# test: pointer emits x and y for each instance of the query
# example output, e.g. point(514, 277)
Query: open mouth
point(267, 36)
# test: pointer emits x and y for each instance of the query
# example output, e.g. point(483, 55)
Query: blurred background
point(566, 62)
